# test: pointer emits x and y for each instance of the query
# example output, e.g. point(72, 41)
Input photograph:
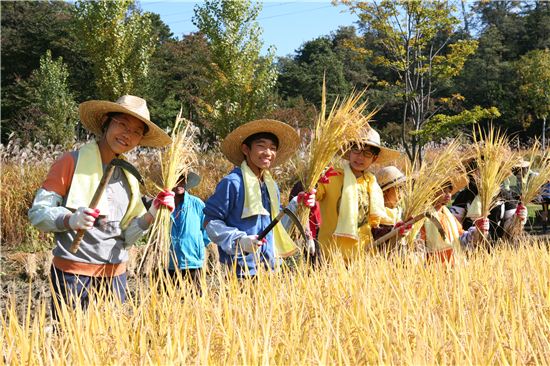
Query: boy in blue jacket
point(247, 199)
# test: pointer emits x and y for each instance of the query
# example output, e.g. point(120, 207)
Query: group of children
point(351, 207)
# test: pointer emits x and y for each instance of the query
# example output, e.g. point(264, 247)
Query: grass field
point(488, 309)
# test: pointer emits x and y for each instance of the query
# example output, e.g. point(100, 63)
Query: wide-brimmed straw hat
point(389, 177)
point(93, 114)
point(289, 140)
point(369, 137)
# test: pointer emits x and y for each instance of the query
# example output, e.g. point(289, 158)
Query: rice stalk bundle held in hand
point(423, 185)
point(494, 162)
point(531, 183)
point(175, 161)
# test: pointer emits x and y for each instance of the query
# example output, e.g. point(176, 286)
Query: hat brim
point(192, 181)
point(459, 182)
point(93, 112)
point(289, 140)
point(397, 181)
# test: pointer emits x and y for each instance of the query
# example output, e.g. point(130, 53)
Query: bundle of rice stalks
point(175, 161)
point(539, 164)
point(494, 162)
point(423, 185)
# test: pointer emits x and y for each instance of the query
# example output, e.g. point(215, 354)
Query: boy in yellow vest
point(61, 204)
point(351, 200)
point(441, 248)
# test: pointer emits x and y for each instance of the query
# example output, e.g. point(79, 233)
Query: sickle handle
point(95, 201)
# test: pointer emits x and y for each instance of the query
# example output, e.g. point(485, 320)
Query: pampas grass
point(175, 161)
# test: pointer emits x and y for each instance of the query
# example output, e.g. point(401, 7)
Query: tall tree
point(51, 114)
point(119, 41)
point(534, 72)
point(419, 44)
point(241, 79)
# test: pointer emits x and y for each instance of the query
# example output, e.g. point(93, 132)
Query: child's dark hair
point(261, 135)
point(110, 116)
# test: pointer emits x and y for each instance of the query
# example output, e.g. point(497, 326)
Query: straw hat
point(93, 115)
point(370, 137)
point(459, 182)
point(522, 164)
point(288, 140)
point(390, 176)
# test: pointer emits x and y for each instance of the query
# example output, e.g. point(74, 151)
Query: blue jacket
point(188, 234)
point(223, 212)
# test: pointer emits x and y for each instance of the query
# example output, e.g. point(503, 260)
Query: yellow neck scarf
point(349, 208)
point(86, 177)
point(284, 245)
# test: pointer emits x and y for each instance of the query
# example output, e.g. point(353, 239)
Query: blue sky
point(286, 24)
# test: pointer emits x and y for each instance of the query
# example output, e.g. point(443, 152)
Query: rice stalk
point(539, 162)
point(494, 162)
point(423, 185)
point(175, 161)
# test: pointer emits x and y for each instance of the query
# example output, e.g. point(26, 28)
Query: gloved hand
point(403, 228)
point(164, 198)
point(325, 178)
point(482, 225)
point(307, 198)
point(250, 243)
point(310, 247)
point(521, 212)
point(83, 218)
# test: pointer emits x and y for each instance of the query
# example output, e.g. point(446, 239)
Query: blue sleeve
point(205, 237)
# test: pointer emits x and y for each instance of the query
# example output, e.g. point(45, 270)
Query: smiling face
point(123, 133)
point(444, 197)
point(360, 158)
point(260, 155)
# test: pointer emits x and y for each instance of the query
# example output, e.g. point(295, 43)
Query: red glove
point(164, 198)
point(402, 228)
point(482, 225)
point(83, 218)
point(307, 198)
point(521, 212)
point(329, 173)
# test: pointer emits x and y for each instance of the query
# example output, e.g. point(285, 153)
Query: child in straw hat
point(391, 180)
point(247, 199)
point(437, 247)
point(351, 200)
point(466, 207)
point(61, 204)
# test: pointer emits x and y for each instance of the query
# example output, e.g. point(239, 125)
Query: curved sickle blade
point(129, 168)
point(285, 211)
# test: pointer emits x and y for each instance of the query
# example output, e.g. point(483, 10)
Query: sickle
point(101, 188)
point(285, 211)
point(412, 221)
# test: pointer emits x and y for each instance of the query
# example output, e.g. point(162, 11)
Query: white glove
point(521, 213)
point(310, 247)
point(307, 198)
point(83, 218)
point(250, 243)
point(164, 198)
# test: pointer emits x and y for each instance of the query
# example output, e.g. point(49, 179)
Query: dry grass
point(539, 162)
point(490, 309)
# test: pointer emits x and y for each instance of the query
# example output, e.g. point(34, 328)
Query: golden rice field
point(488, 309)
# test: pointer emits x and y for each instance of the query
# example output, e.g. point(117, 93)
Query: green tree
point(419, 44)
point(241, 81)
point(119, 41)
point(534, 72)
point(51, 114)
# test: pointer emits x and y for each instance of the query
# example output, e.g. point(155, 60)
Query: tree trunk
point(543, 133)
